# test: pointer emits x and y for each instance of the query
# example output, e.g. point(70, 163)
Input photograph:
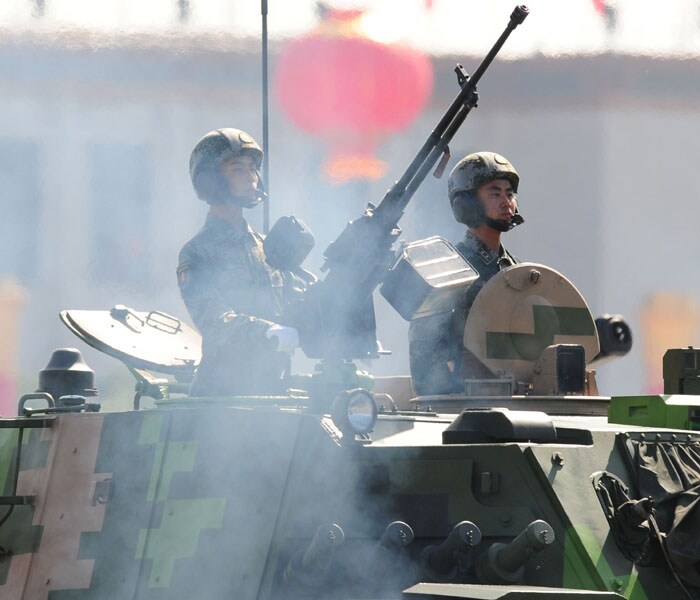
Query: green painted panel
point(151, 427)
point(655, 411)
point(586, 567)
point(178, 534)
point(549, 321)
point(180, 456)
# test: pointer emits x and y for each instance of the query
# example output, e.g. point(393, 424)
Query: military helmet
point(470, 173)
point(210, 152)
point(478, 168)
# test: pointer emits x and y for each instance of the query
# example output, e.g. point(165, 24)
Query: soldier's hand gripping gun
point(336, 315)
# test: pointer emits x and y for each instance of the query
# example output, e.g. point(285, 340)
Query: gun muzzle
point(505, 563)
point(519, 14)
point(397, 535)
point(388, 566)
point(441, 563)
point(615, 338)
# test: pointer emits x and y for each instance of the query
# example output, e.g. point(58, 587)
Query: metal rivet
point(616, 584)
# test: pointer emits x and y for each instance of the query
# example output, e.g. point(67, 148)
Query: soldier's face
point(498, 199)
point(241, 176)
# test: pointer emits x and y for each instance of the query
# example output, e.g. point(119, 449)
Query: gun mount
point(336, 316)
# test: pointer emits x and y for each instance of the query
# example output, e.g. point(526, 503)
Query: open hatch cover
point(151, 340)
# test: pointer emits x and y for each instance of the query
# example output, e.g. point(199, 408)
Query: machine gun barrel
point(445, 130)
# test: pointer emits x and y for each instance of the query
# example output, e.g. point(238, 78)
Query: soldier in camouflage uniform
point(482, 191)
point(235, 298)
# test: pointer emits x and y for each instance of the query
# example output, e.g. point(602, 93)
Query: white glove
point(287, 337)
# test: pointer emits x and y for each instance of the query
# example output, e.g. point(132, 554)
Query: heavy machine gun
point(336, 316)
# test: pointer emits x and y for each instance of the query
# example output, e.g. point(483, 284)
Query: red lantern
point(351, 91)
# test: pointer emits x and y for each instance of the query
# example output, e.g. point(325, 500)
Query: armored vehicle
point(529, 484)
point(526, 484)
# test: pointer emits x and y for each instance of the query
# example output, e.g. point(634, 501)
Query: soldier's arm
point(210, 313)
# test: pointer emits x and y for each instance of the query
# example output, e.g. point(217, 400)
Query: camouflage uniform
point(436, 342)
point(233, 296)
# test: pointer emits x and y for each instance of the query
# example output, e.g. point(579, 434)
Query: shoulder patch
point(183, 274)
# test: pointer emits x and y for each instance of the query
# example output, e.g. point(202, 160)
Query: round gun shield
point(522, 310)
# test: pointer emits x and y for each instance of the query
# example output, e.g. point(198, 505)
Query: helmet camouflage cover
point(478, 168)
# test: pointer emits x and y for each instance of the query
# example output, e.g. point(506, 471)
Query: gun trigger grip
point(440, 169)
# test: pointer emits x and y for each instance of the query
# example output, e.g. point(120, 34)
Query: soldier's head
point(482, 190)
point(225, 167)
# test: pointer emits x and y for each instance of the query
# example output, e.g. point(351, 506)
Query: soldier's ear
point(467, 209)
point(210, 186)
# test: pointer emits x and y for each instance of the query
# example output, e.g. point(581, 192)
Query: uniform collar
point(474, 243)
point(476, 246)
point(224, 227)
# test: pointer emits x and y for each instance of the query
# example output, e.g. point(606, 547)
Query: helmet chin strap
point(249, 201)
point(503, 225)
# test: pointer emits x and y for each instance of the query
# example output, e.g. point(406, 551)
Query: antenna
point(265, 121)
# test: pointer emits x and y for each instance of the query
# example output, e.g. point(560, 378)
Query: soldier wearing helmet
point(214, 162)
point(482, 191)
point(235, 298)
point(471, 202)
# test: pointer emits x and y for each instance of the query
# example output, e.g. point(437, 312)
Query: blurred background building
point(596, 103)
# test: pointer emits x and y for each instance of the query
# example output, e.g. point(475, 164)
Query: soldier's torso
point(228, 266)
point(485, 261)
point(231, 293)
